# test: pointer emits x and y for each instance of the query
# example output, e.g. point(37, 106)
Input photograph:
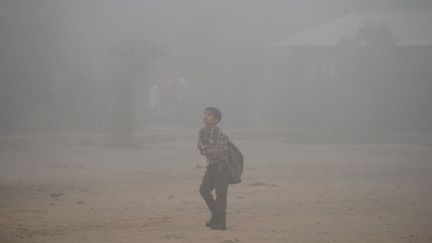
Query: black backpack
point(235, 163)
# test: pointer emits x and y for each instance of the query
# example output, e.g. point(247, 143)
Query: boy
point(213, 144)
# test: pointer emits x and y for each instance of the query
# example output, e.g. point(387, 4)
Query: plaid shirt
point(212, 137)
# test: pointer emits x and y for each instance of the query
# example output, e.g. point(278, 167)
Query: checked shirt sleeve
point(218, 140)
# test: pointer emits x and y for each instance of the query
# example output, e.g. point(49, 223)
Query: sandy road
point(290, 193)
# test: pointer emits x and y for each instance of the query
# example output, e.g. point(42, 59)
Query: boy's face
point(209, 118)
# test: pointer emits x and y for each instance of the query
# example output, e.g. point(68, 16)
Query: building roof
point(408, 27)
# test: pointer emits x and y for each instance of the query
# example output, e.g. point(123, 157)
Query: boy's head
point(212, 116)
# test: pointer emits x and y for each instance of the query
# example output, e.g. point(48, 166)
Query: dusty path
point(290, 193)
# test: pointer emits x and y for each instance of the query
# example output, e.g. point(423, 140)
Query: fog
point(329, 101)
point(65, 62)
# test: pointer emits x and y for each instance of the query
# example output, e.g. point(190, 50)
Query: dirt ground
point(290, 193)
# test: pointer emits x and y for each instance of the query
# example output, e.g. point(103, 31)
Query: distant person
point(225, 165)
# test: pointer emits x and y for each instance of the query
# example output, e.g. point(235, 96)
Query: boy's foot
point(218, 227)
point(210, 222)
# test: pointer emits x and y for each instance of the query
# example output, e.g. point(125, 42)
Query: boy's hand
point(214, 152)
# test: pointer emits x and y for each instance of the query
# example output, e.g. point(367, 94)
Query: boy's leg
point(221, 187)
point(207, 185)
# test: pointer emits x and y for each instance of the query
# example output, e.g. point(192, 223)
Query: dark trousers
point(216, 177)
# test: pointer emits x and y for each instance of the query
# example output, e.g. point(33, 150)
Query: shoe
point(209, 223)
point(218, 227)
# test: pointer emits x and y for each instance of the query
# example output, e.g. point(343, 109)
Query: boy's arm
point(202, 148)
point(200, 145)
point(217, 143)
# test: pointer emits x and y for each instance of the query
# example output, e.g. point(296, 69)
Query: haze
point(101, 102)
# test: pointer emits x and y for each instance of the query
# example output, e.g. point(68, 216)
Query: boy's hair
point(215, 112)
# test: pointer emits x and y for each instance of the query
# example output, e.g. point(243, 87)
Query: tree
point(134, 59)
point(377, 34)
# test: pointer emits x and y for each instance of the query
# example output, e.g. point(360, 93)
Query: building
point(367, 70)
